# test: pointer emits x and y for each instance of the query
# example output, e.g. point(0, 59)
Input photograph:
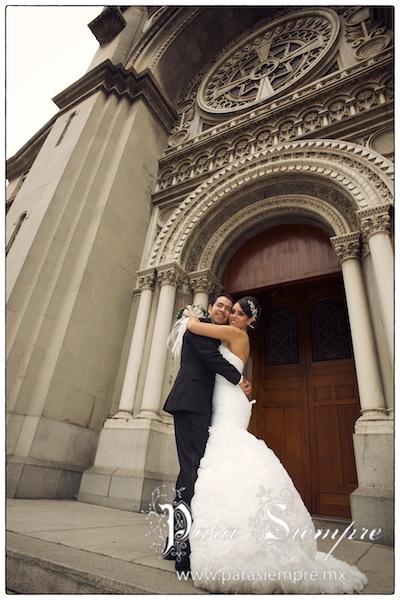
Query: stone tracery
point(361, 178)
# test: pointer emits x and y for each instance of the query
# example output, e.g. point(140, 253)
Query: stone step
point(40, 567)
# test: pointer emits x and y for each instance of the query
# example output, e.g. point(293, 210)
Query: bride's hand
point(246, 387)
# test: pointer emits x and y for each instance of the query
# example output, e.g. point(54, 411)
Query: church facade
point(244, 149)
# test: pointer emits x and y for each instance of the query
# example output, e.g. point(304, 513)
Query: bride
point(251, 532)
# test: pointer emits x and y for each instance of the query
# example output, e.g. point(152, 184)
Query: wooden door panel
point(307, 410)
point(335, 408)
point(285, 423)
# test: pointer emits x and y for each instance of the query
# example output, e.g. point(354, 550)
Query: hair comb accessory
point(253, 309)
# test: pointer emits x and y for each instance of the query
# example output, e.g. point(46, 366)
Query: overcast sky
point(47, 49)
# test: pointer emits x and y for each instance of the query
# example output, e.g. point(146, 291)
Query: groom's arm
point(211, 357)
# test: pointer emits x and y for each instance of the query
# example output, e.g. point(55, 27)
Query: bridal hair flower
point(253, 309)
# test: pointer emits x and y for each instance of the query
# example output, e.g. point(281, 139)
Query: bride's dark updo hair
point(251, 308)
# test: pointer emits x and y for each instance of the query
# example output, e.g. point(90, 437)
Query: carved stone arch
point(362, 176)
point(266, 214)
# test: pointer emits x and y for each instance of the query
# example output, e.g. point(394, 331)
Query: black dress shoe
point(183, 569)
point(170, 555)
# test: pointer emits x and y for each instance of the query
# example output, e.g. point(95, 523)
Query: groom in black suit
point(190, 401)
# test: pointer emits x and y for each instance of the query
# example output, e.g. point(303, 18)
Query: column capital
point(375, 220)
point(347, 246)
point(172, 274)
point(204, 281)
point(146, 279)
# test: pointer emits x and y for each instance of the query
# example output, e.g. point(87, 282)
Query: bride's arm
point(218, 332)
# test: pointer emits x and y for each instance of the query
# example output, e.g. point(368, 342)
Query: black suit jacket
point(194, 384)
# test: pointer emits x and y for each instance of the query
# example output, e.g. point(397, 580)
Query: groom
point(190, 402)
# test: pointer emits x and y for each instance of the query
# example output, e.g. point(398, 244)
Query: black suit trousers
point(191, 434)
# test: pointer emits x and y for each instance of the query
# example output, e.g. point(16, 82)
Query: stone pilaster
point(347, 248)
point(376, 229)
point(372, 501)
point(146, 282)
point(170, 277)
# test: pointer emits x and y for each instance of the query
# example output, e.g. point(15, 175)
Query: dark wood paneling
point(281, 254)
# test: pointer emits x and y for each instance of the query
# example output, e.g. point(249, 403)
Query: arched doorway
point(303, 371)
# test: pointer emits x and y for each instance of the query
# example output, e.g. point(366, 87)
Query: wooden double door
point(306, 389)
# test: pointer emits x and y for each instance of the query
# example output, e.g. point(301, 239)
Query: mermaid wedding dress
point(251, 532)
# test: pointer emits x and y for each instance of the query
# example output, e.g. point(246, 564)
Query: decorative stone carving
point(375, 220)
point(357, 178)
point(338, 110)
point(347, 246)
point(221, 148)
point(204, 281)
point(365, 32)
point(270, 60)
point(366, 99)
point(171, 274)
point(146, 279)
point(108, 24)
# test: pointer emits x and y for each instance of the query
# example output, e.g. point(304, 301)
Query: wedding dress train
point(251, 532)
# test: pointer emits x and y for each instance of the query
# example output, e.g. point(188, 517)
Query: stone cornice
point(22, 161)
point(110, 79)
point(115, 79)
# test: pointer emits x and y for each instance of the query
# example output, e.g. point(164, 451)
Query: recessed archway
point(238, 197)
point(302, 368)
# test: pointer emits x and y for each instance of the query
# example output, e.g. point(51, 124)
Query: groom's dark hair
point(214, 298)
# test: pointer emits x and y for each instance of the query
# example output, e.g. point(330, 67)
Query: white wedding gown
point(248, 516)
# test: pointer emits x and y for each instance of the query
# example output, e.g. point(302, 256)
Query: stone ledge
point(39, 567)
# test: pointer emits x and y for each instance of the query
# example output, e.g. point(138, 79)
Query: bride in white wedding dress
point(251, 532)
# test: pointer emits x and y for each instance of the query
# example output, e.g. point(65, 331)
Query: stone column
point(376, 229)
point(146, 281)
point(170, 276)
point(203, 284)
point(347, 248)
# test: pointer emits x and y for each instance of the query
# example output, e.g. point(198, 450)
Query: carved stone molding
point(171, 274)
point(365, 32)
point(204, 281)
point(235, 224)
point(253, 69)
point(347, 246)
point(361, 177)
point(375, 220)
point(294, 116)
point(146, 279)
point(115, 79)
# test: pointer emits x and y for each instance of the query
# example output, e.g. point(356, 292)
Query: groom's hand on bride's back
point(246, 387)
